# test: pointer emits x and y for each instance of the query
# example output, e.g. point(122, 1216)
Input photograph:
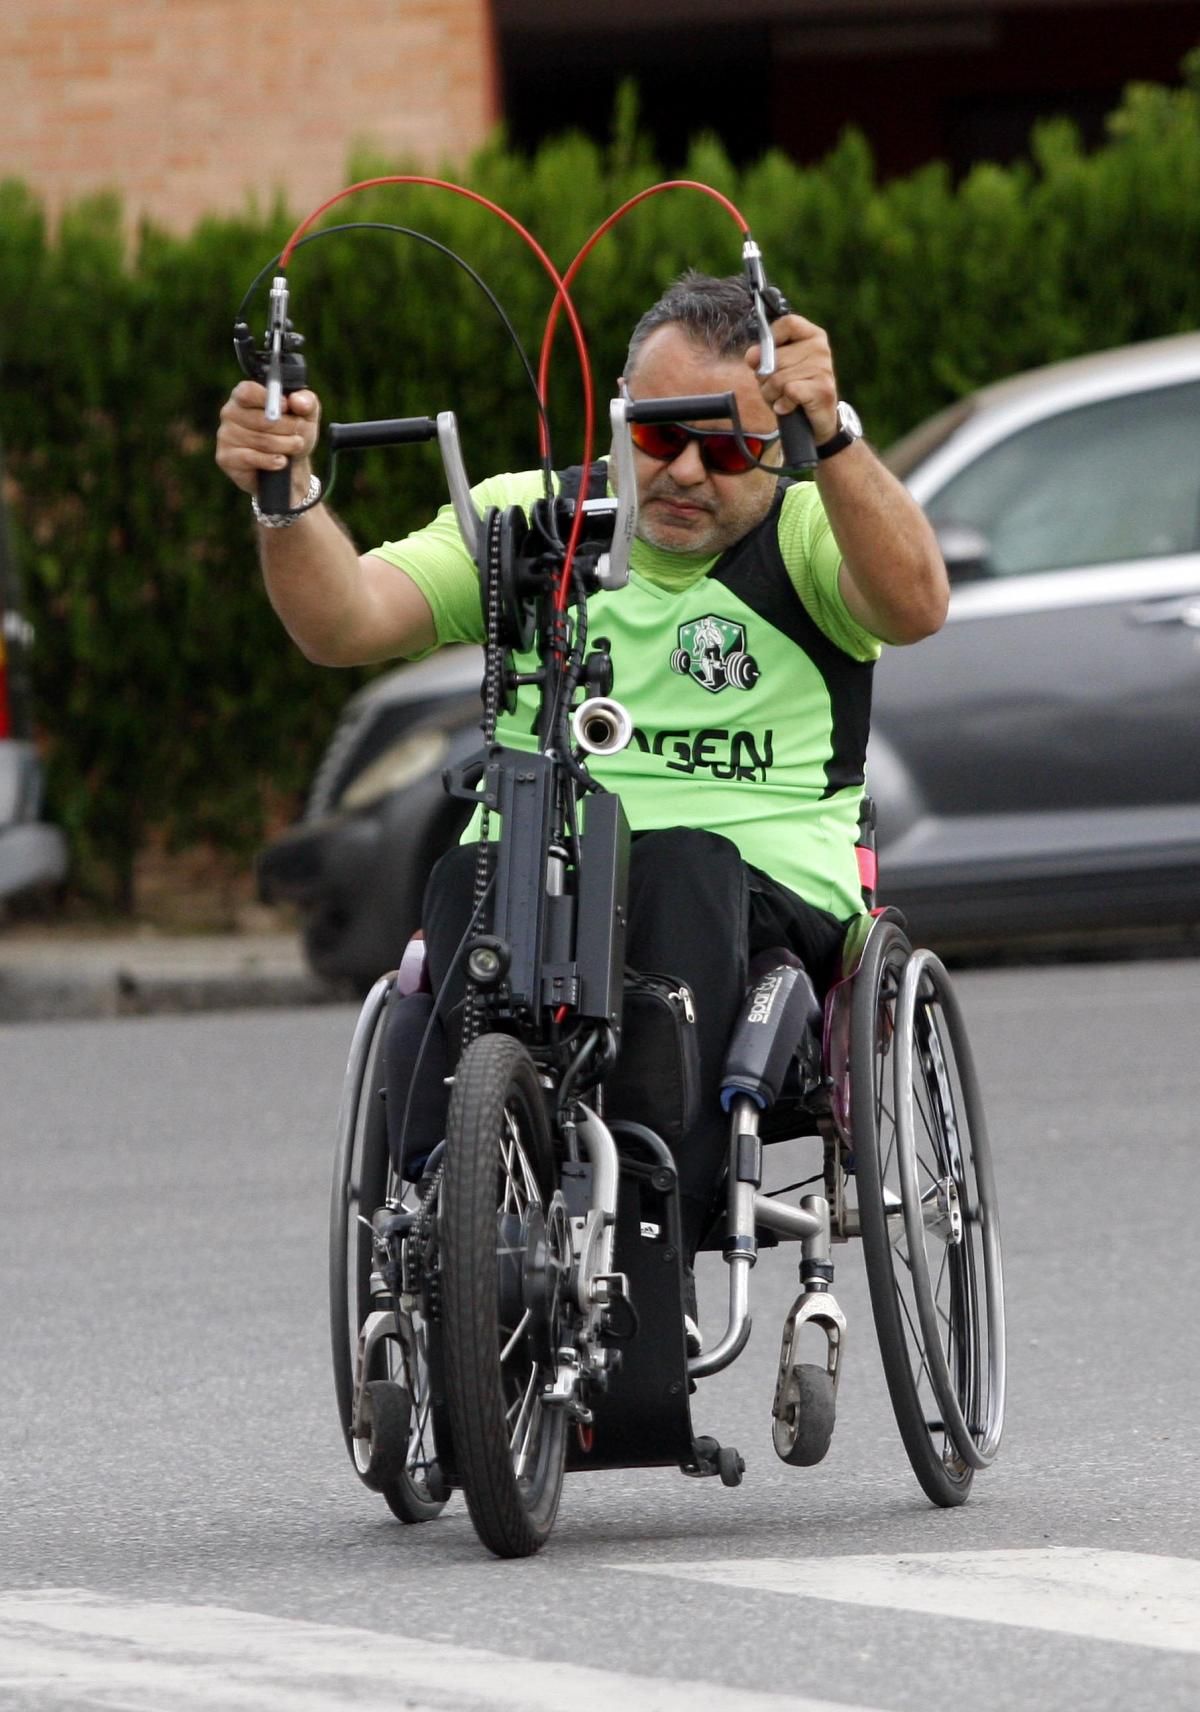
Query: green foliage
point(170, 701)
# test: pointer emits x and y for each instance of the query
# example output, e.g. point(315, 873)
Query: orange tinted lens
point(718, 451)
point(721, 452)
point(663, 440)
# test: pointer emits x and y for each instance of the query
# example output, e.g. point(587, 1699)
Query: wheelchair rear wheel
point(363, 1181)
point(950, 1209)
point(505, 1260)
point(927, 1213)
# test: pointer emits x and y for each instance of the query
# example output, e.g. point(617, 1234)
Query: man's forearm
point(897, 580)
point(314, 581)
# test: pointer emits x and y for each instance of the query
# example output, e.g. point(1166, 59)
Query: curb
point(56, 981)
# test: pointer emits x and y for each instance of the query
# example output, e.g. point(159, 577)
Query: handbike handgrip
point(392, 431)
point(274, 490)
point(796, 438)
point(699, 407)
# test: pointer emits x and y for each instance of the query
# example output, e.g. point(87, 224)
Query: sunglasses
point(720, 451)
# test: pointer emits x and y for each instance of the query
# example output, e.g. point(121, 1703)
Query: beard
point(695, 534)
point(717, 519)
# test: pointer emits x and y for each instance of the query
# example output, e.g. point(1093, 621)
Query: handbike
point(516, 1310)
point(508, 1297)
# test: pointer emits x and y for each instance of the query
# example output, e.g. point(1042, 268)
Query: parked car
point(33, 854)
point(376, 817)
point(1035, 765)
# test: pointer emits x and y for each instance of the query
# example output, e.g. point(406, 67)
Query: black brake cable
point(804, 1183)
point(546, 462)
point(436, 1014)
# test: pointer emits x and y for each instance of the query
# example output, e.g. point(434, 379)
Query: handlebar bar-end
point(696, 407)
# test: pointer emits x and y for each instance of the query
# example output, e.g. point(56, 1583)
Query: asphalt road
point(179, 1525)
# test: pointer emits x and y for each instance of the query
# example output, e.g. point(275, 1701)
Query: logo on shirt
point(744, 756)
point(712, 651)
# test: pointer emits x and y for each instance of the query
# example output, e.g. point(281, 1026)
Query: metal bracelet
point(285, 519)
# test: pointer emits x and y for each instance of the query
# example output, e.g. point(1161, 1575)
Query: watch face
point(848, 420)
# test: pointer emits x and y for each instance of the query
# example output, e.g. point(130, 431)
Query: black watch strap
point(849, 430)
point(838, 443)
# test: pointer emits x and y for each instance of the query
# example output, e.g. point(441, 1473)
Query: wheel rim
point(956, 1469)
point(501, 1305)
point(350, 1240)
point(363, 1181)
point(404, 1360)
point(947, 1237)
point(526, 1348)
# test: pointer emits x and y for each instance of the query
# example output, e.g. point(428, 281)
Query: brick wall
point(188, 106)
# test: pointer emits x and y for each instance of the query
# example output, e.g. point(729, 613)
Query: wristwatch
point(849, 429)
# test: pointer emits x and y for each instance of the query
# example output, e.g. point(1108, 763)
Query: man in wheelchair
point(743, 647)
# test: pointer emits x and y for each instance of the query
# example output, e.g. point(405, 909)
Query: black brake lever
point(795, 431)
point(277, 365)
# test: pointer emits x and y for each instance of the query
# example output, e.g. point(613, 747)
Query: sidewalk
point(52, 976)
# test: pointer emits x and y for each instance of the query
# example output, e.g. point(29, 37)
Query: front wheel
point(505, 1250)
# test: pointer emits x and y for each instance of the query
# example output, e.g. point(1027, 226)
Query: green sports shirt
point(747, 679)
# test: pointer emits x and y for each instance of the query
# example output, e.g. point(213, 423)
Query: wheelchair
point(451, 1295)
point(510, 1307)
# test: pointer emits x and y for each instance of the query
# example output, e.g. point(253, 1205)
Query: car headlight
point(399, 766)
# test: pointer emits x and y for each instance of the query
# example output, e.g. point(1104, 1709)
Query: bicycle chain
point(418, 1244)
point(493, 668)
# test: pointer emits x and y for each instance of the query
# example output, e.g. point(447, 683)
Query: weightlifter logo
point(712, 651)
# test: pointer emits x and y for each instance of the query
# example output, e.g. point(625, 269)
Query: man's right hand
point(248, 444)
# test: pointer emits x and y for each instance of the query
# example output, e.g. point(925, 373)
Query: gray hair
point(716, 313)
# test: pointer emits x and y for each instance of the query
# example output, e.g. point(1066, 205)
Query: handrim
point(957, 1207)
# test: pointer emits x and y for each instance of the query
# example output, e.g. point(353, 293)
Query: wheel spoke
point(918, 1344)
point(531, 1425)
point(524, 1406)
point(515, 1338)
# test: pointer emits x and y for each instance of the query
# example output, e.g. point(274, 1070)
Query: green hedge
point(171, 703)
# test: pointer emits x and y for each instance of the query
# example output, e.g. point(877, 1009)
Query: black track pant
point(698, 912)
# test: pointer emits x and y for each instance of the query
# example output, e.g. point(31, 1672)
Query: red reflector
point(868, 867)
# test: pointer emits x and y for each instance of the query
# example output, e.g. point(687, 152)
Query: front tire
point(502, 1251)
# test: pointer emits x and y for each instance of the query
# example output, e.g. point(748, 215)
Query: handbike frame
point(548, 968)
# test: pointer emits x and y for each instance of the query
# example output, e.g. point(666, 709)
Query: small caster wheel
point(388, 1410)
point(802, 1432)
point(730, 1466)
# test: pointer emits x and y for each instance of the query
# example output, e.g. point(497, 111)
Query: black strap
point(568, 480)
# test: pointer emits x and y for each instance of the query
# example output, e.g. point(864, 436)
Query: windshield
point(927, 438)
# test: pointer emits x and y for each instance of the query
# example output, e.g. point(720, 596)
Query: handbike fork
point(595, 1286)
point(595, 1282)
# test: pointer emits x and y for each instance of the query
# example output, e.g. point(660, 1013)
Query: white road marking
point(74, 1647)
point(1130, 1597)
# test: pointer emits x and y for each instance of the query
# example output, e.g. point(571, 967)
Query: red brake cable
point(552, 318)
point(561, 299)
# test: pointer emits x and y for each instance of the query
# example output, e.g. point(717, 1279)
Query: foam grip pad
point(780, 1009)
